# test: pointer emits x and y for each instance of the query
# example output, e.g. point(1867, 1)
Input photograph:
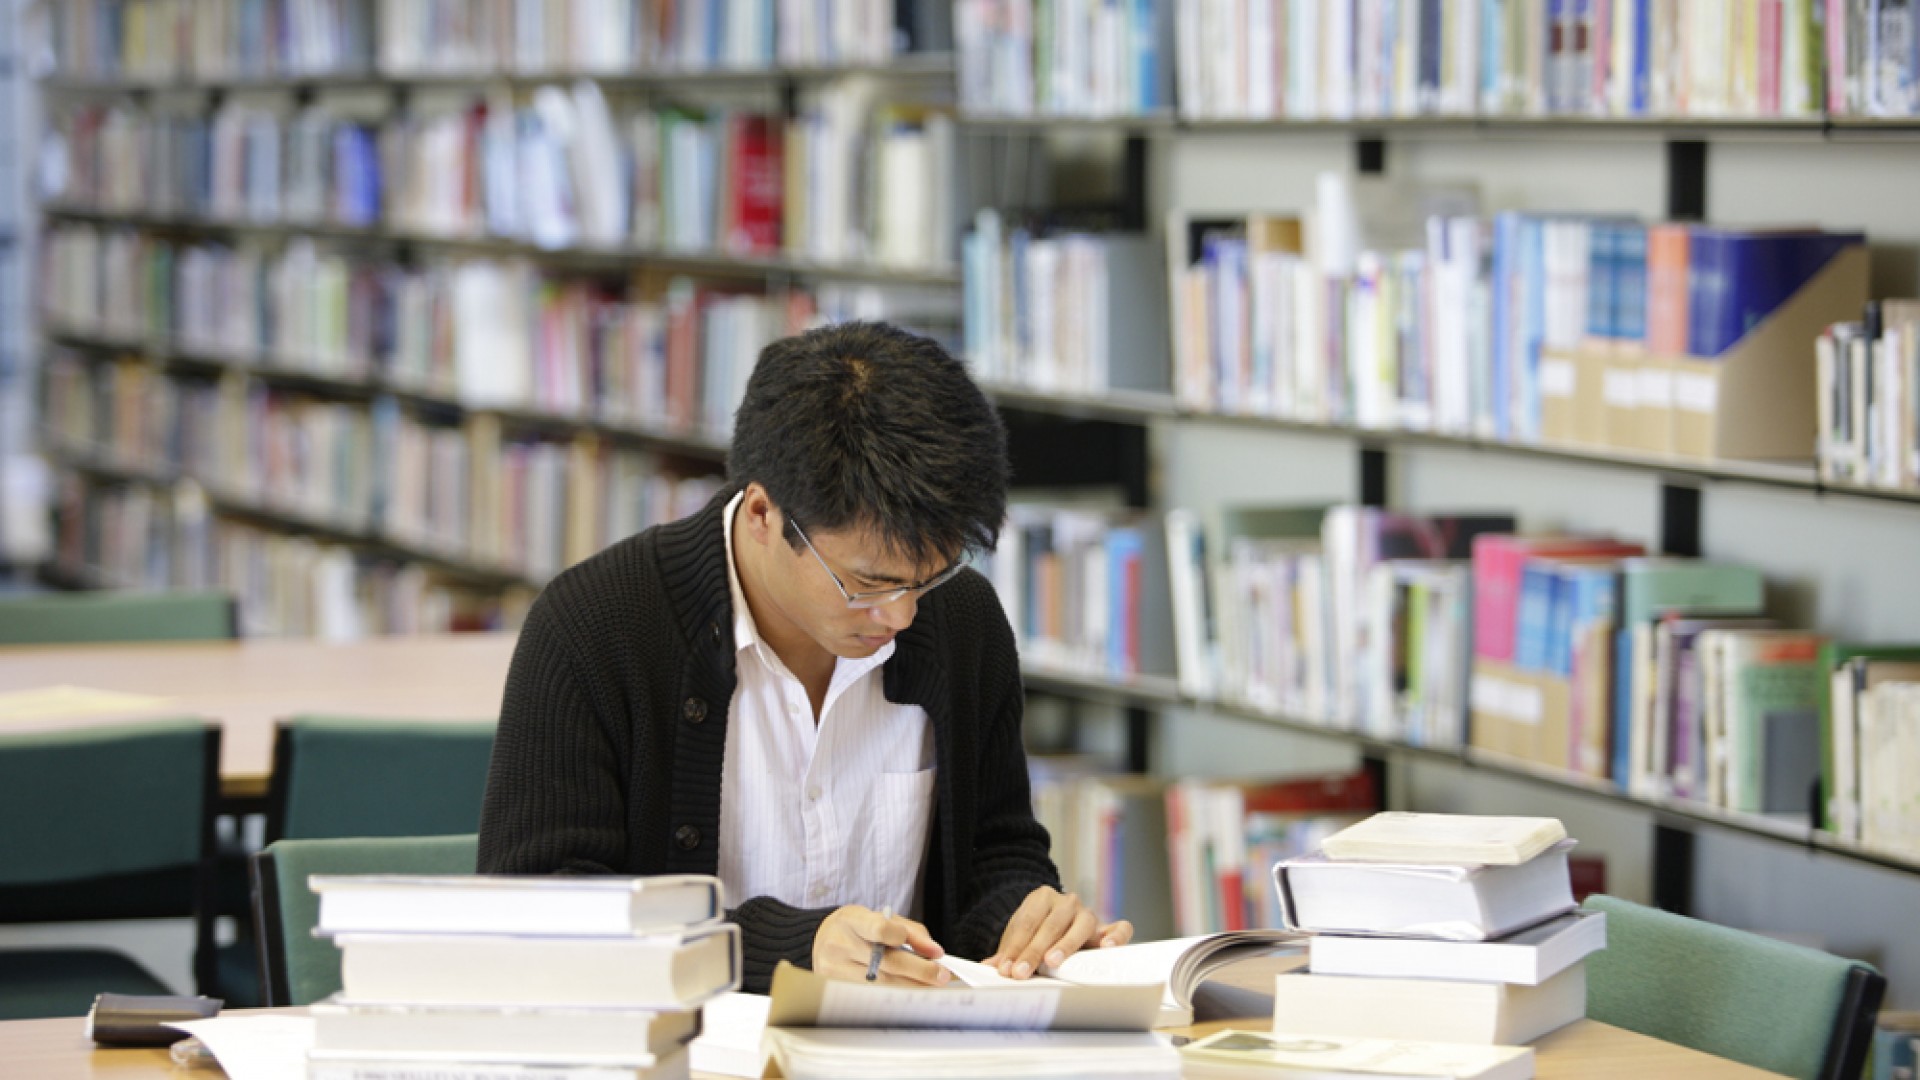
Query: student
point(802, 688)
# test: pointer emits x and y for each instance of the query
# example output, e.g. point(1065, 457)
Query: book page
point(1125, 965)
point(852, 1004)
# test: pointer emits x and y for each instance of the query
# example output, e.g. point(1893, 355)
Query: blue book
point(1586, 597)
point(1492, 19)
point(1630, 282)
point(1146, 49)
point(1531, 650)
point(1736, 279)
point(1125, 549)
point(1533, 328)
point(1642, 47)
point(1602, 267)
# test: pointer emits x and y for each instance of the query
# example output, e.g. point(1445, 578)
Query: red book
point(1498, 563)
point(755, 147)
point(1315, 794)
point(1667, 255)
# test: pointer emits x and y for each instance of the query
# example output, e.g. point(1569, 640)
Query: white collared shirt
point(826, 815)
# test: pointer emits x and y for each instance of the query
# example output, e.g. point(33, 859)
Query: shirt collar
point(747, 636)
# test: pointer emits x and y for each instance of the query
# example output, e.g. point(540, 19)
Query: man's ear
point(758, 514)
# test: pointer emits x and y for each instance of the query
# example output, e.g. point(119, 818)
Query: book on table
point(855, 1054)
point(1178, 965)
point(1472, 839)
point(1453, 902)
point(502, 1034)
point(1438, 1010)
point(1527, 957)
point(488, 904)
point(1231, 1054)
point(672, 1067)
point(665, 971)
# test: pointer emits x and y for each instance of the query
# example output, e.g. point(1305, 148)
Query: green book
point(1656, 585)
point(1832, 655)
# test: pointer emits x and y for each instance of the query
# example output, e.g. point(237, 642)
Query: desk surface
point(1588, 1050)
point(247, 685)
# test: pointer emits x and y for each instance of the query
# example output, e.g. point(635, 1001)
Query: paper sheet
point(67, 702)
point(732, 1027)
point(850, 1004)
point(256, 1047)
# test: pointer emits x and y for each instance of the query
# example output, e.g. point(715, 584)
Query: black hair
point(864, 425)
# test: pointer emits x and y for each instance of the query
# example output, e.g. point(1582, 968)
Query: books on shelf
point(1223, 837)
point(1456, 902)
point(1060, 311)
point(1085, 590)
point(1472, 839)
point(607, 907)
point(1235, 1054)
point(1432, 1009)
point(1527, 957)
point(166, 41)
point(1854, 673)
point(1074, 58)
point(1868, 381)
point(1109, 841)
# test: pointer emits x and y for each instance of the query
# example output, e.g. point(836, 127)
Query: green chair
point(296, 967)
point(335, 776)
point(66, 618)
point(1766, 1003)
point(104, 823)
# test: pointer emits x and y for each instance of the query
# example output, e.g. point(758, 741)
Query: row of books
point(468, 492)
point(1295, 60)
point(1085, 589)
point(664, 354)
point(1069, 312)
point(468, 976)
point(185, 40)
point(1065, 57)
point(1557, 329)
point(848, 179)
point(141, 537)
point(173, 40)
point(1869, 386)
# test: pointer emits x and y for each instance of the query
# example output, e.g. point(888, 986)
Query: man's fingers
point(1055, 927)
point(903, 967)
point(1118, 932)
point(920, 940)
point(1020, 929)
point(1078, 933)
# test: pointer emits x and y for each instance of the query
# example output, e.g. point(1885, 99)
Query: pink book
point(1498, 561)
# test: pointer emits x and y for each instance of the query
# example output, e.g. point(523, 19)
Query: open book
point(1178, 965)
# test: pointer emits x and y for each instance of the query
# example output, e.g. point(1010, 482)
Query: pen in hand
point(879, 950)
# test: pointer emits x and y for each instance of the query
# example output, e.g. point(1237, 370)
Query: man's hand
point(843, 946)
point(1049, 927)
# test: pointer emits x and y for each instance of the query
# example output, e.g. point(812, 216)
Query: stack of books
point(540, 978)
point(1439, 927)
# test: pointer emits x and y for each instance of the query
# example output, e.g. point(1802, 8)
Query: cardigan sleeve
point(554, 801)
point(1010, 848)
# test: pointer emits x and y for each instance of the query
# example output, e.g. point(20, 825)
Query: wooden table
point(1588, 1050)
point(247, 685)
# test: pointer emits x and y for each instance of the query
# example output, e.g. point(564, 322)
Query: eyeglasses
point(876, 597)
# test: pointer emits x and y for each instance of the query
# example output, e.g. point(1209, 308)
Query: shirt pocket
point(900, 810)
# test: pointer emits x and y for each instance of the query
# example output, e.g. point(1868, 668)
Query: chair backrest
point(117, 616)
point(297, 968)
point(1738, 995)
point(337, 776)
point(111, 822)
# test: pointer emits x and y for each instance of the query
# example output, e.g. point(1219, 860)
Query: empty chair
point(1776, 1006)
point(296, 967)
point(337, 776)
point(66, 618)
point(103, 823)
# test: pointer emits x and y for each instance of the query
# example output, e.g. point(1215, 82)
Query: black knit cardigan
point(614, 724)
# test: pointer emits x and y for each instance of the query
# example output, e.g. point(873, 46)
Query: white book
point(1457, 903)
point(480, 904)
point(329, 1067)
point(504, 1034)
point(845, 1054)
point(1470, 839)
point(1527, 958)
point(1232, 1054)
point(661, 972)
point(1438, 1010)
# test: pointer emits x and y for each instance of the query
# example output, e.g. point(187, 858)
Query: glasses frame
point(874, 598)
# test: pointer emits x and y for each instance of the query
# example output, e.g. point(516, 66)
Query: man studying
point(802, 688)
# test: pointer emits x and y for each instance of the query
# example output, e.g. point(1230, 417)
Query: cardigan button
point(695, 710)
point(714, 629)
point(687, 837)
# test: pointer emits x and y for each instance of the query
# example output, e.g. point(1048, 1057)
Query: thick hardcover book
point(480, 904)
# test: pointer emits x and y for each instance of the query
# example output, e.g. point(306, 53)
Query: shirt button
point(695, 710)
point(687, 837)
point(819, 892)
point(813, 792)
